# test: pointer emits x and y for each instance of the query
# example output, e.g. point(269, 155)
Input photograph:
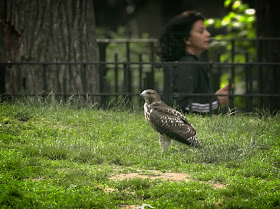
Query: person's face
point(199, 39)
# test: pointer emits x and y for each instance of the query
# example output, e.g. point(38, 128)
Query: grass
point(60, 156)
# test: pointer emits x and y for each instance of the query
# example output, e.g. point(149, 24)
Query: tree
point(48, 31)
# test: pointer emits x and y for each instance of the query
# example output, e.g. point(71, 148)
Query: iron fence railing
point(124, 75)
point(133, 80)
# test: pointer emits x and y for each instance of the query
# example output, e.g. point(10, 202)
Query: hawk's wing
point(171, 122)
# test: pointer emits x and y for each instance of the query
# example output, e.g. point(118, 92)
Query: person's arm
point(223, 91)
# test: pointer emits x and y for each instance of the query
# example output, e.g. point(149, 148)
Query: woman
point(184, 39)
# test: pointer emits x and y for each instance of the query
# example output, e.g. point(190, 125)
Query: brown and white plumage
point(168, 122)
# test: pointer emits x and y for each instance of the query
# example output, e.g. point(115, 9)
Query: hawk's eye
point(148, 92)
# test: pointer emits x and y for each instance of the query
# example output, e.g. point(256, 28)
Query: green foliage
point(238, 23)
point(59, 156)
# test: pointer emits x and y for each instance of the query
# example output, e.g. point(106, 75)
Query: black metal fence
point(126, 67)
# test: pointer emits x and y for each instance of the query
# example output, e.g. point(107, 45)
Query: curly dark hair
point(171, 42)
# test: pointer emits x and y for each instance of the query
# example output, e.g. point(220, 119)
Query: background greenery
point(60, 156)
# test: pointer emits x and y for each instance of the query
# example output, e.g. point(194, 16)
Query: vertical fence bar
point(219, 71)
point(250, 87)
point(148, 81)
point(102, 70)
point(271, 99)
point(260, 71)
point(273, 89)
point(222, 109)
point(216, 77)
point(231, 81)
point(249, 84)
point(190, 104)
point(140, 71)
point(231, 102)
point(128, 51)
point(152, 59)
point(126, 82)
point(19, 72)
point(65, 77)
point(24, 84)
point(140, 75)
point(211, 91)
point(275, 83)
point(2, 80)
point(116, 72)
point(44, 78)
point(125, 78)
point(232, 59)
point(84, 81)
point(128, 72)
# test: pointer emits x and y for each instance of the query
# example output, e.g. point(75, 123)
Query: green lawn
point(55, 156)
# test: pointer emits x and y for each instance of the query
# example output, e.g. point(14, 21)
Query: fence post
point(2, 81)
point(152, 65)
point(219, 72)
point(140, 75)
point(273, 87)
point(276, 86)
point(249, 85)
point(66, 76)
point(102, 69)
point(116, 72)
point(44, 78)
point(231, 99)
point(126, 80)
point(140, 72)
point(259, 45)
point(127, 72)
point(231, 80)
point(271, 99)
point(211, 91)
point(232, 60)
point(84, 81)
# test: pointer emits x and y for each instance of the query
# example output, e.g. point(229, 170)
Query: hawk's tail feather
point(194, 142)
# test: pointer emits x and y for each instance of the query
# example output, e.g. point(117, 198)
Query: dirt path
point(154, 174)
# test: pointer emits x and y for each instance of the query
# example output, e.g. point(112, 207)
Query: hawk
point(168, 122)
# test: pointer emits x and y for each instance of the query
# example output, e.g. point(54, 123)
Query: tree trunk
point(49, 31)
point(268, 51)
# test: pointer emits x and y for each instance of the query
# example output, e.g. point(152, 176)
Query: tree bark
point(2, 53)
point(50, 31)
point(268, 16)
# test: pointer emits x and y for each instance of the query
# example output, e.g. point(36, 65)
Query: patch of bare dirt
point(158, 175)
point(128, 206)
point(136, 207)
point(154, 174)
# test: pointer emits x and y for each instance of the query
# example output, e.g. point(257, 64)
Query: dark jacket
point(192, 78)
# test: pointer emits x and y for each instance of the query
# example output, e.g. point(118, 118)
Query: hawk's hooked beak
point(142, 94)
